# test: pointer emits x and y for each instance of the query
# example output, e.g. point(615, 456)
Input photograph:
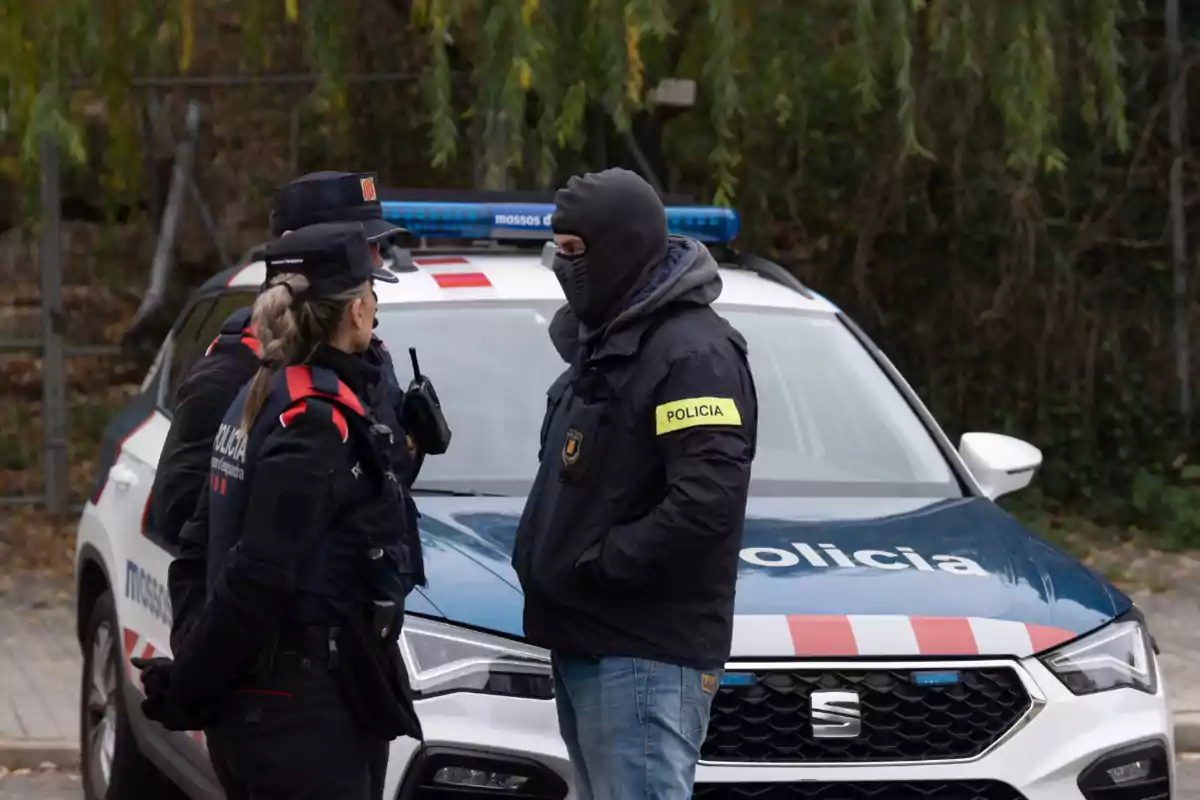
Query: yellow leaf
point(292, 8)
point(633, 55)
point(187, 34)
point(524, 73)
point(528, 9)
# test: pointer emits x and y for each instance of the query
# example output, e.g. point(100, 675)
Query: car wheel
point(111, 765)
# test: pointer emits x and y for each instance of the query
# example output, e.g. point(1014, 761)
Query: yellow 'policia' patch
point(696, 411)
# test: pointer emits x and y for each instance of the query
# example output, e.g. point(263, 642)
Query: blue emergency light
point(428, 220)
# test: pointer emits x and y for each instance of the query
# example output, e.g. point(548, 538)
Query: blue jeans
point(633, 727)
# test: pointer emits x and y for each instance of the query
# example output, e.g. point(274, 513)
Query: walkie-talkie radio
point(423, 413)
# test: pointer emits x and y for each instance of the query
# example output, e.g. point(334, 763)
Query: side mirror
point(1000, 464)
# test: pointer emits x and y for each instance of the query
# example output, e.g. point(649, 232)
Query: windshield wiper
point(418, 490)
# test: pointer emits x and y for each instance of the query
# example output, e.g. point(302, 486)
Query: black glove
point(156, 674)
point(162, 704)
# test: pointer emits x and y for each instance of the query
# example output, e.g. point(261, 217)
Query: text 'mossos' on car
point(896, 633)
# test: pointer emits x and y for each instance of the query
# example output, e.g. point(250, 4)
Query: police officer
point(628, 545)
point(293, 664)
point(231, 360)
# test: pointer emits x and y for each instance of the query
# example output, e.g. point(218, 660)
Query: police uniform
point(628, 544)
point(178, 499)
point(627, 548)
point(629, 541)
point(200, 403)
point(304, 561)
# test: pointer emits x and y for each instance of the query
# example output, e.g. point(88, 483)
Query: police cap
point(330, 197)
point(334, 256)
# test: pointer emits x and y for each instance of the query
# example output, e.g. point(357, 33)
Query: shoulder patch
point(302, 382)
point(694, 411)
point(339, 419)
point(253, 344)
point(292, 413)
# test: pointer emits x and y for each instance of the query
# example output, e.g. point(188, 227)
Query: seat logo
point(368, 190)
point(836, 715)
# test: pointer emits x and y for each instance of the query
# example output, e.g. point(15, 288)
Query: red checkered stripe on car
point(833, 635)
point(139, 646)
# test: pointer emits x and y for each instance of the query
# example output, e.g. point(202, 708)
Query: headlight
point(445, 658)
point(1116, 656)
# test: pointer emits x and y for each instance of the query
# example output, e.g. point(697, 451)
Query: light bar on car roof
point(532, 220)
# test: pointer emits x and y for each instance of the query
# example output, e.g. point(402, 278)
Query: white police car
point(897, 634)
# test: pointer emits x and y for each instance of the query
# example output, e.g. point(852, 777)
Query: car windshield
point(831, 422)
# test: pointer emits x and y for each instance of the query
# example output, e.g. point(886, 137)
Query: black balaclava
point(623, 225)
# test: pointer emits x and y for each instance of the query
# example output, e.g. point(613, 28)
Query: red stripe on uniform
point(1044, 638)
point(300, 385)
point(131, 640)
point(461, 280)
point(299, 382)
point(340, 421)
point(430, 261)
point(822, 635)
point(148, 651)
point(944, 636)
point(254, 344)
point(288, 416)
point(348, 399)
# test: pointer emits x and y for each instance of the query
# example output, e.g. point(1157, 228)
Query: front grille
point(768, 719)
point(864, 790)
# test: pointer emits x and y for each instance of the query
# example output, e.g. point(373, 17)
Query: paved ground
point(39, 785)
point(39, 661)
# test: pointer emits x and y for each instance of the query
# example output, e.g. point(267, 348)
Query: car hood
point(823, 577)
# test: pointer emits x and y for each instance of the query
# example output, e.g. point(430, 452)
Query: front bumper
point(1041, 759)
point(504, 730)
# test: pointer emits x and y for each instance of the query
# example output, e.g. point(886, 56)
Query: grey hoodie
point(687, 276)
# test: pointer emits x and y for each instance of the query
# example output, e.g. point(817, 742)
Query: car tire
point(111, 764)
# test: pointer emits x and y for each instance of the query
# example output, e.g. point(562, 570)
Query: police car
point(897, 634)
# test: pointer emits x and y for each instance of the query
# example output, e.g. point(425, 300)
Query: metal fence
point(71, 292)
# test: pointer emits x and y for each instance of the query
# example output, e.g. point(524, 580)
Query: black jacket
point(179, 498)
point(295, 506)
point(203, 398)
point(629, 541)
